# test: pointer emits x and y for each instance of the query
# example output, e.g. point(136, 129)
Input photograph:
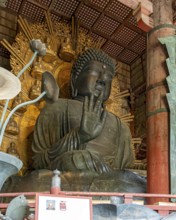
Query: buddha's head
point(92, 73)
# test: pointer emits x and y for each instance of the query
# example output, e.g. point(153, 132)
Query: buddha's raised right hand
point(93, 118)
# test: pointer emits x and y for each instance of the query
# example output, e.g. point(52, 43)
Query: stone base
point(40, 180)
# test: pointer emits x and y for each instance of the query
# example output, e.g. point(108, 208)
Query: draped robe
point(57, 127)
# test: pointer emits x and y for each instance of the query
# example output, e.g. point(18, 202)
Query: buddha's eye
point(108, 76)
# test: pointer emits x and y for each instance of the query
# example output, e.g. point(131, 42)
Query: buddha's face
point(95, 78)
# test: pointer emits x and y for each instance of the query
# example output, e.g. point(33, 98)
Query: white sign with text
point(65, 208)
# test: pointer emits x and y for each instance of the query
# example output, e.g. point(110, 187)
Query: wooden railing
point(163, 209)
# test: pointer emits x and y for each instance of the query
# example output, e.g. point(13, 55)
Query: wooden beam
point(145, 22)
point(142, 9)
point(133, 4)
point(38, 4)
point(51, 5)
point(21, 6)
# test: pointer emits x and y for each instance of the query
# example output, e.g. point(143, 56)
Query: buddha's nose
point(101, 78)
point(101, 82)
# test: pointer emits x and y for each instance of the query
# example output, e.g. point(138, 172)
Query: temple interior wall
point(123, 74)
point(8, 30)
point(138, 102)
point(138, 82)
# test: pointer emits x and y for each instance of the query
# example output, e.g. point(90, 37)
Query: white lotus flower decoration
point(10, 85)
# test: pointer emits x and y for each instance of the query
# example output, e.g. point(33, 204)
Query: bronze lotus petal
point(37, 45)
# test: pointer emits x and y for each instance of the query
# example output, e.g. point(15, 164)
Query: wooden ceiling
point(107, 20)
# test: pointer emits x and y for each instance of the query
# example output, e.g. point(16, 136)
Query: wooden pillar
point(157, 107)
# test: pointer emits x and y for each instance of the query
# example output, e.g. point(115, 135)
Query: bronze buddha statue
point(79, 134)
point(90, 146)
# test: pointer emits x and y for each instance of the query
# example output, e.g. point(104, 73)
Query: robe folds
point(56, 141)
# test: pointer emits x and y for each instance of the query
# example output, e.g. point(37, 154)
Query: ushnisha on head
point(92, 73)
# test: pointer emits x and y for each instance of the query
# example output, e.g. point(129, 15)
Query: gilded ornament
point(18, 100)
point(12, 150)
point(38, 69)
point(35, 90)
point(66, 52)
point(12, 127)
point(51, 49)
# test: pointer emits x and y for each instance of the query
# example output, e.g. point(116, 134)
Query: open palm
point(93, 118)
